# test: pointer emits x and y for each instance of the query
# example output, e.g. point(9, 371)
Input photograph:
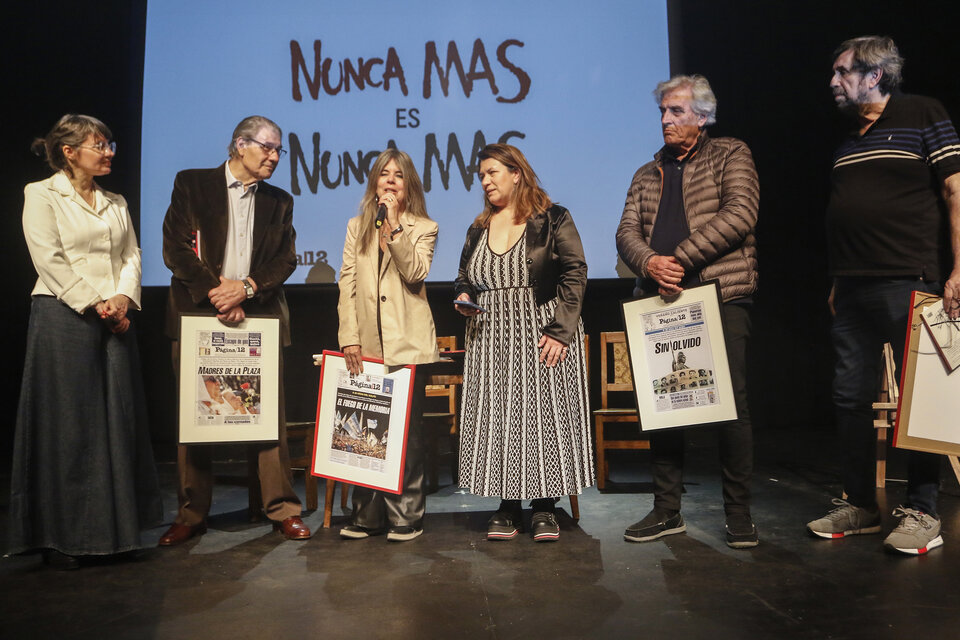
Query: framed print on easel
point(929, 391)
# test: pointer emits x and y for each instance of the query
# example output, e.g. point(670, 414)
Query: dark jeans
point(374, 509)
point(736, 436)
point(870, 312)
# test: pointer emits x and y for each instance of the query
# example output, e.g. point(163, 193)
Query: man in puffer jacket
point(690, 217)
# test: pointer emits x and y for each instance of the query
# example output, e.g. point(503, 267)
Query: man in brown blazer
point(228, 238)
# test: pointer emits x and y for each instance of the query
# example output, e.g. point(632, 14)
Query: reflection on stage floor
point(242, 580)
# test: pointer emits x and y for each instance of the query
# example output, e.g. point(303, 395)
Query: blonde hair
point(529, 197)
point(414, 202)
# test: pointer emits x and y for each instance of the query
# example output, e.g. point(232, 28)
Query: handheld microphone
point(381, 215)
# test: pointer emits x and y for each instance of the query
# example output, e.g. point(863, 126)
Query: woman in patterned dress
point(524, 421)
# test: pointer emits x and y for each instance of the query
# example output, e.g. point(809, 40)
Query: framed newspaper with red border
point(678, 358)
point(229, 380)
point(362, 421)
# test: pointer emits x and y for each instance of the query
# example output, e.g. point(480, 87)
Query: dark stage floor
point(243, 580)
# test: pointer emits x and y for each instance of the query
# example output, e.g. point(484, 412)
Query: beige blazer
point(395, 295)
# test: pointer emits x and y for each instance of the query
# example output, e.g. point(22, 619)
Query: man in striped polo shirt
point(893, 226)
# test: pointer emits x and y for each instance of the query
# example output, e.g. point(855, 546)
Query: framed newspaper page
point(362, 420)
point(229, 380)
point(678, 358)
point(929, 391)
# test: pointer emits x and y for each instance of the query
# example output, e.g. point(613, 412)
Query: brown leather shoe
point(293, 528)
point(180, 533)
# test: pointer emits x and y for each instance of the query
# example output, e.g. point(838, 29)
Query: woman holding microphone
point(384, 314)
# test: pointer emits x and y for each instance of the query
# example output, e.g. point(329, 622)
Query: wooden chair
point(574, 500)
point(615, 377)
point(330, 485)
point(886, 411)
point(328, 500)
point(439, 425)
point(301, 434)
point(300, 444)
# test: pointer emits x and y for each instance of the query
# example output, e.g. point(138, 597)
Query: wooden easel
point(886, 418)
point(923, 401)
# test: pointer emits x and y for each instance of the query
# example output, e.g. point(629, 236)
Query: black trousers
point(736, 436)
point(374, 509)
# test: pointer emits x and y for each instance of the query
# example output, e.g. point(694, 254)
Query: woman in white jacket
point(83, 481)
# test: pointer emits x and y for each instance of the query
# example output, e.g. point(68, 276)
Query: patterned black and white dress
point(524, 426)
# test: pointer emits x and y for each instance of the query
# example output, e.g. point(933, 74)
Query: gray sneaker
point(917, 533)
point(846, 520)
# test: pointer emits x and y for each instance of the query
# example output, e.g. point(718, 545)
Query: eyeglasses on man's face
point(267, 147)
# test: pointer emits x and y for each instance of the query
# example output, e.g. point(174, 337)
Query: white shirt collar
point(233, 182)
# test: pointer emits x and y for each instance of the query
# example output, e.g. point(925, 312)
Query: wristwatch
point(396, 231)
point(248, 288)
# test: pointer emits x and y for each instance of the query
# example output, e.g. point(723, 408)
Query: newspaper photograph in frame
point(229, 380)
point(678, 358)
point(362, 423)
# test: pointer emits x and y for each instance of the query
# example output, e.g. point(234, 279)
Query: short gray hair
point(248, 128)
point(875, 52)
point(704, 103)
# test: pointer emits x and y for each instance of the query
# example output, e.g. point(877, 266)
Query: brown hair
point(71, 130)
point(529, 197)
point(414, 203)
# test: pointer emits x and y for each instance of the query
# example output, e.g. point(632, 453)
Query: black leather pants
point(374, 509)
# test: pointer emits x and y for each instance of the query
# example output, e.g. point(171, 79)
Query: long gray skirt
point(84, 480)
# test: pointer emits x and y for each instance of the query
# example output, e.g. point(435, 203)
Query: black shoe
point(741, 532)
point(504, 525)
point(655, 525)
point(356, 532)
point(403, 533)
point(60, 561)
point(544, 527)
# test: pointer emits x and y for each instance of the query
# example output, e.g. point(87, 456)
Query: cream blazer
point(82, 254)
point(395, 295)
